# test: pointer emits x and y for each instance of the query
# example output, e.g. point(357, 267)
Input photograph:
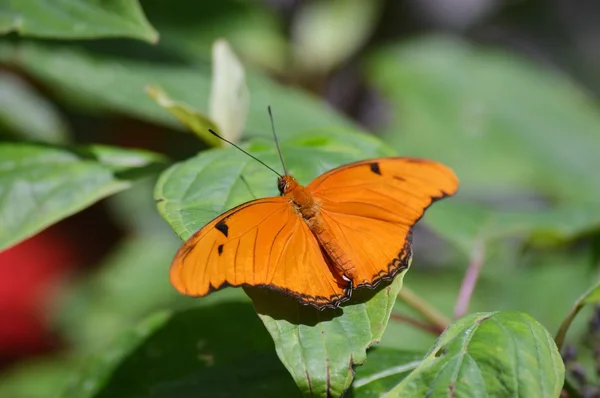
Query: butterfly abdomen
point(339, 257)
point(305, 203)
point(341, 260)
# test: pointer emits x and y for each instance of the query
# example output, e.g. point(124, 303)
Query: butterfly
point(351, 227)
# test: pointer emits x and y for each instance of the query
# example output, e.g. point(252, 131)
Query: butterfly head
point(286, 184)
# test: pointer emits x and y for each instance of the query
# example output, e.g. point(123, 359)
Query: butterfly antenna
point(277, 141)
point(252, 156)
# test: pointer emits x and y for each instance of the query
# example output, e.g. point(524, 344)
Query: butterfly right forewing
point(368, 209)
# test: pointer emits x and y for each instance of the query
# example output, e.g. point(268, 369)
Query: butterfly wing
point(260, 243)
point(370, 207)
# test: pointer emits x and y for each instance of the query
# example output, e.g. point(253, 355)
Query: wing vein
point(254, 257)
point(260, 222)
point(208, 261)
point(235, 261)
point(271, 249)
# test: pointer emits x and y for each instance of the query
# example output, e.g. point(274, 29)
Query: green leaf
point(191, 118)
point(320, 346)
point(493, 354)
point(217, 351)
point(592, 296)
point(42, 184)
point(383, 369)
point(26, 114)
point(507, 127)
point(82, 19)
point(118, 84)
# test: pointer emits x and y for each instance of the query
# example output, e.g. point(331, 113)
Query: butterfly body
point(350, 227)
point(308, 208)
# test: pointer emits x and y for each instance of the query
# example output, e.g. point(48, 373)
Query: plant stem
point(566, 323)
point(590, 296)
point(424, 326)
point(439, 320)
point(470, 280)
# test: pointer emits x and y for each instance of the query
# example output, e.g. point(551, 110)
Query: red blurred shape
point(30, 275)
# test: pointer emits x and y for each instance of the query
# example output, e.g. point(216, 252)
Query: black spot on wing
point(222, 227)
point(220, 249)
point(375, 168)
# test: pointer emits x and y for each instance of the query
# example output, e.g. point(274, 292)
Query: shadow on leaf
point(280, 306)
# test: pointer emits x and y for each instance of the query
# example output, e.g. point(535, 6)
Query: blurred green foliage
point(523, 138)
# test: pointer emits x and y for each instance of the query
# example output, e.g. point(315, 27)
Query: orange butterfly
point(350, 227)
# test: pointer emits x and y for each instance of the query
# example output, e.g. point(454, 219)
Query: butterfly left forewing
point(368, 210)
point(222, 252)
point(262, 243)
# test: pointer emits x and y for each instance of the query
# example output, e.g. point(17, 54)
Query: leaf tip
point(158, 95)
point(154, 37)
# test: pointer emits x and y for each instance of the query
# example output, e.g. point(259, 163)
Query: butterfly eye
point(281, 185)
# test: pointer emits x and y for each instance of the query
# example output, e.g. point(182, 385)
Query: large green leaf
point(41, 184)
point(82, 19)
point(217, 351)
point(508, 128)
point(118, 85)
point(489, 354)
point(24, 113)
point(318, 348)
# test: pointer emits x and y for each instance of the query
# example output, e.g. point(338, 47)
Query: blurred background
point(504, 91)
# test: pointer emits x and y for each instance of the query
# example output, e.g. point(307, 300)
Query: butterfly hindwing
point(370, 207)
point(260, 243)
